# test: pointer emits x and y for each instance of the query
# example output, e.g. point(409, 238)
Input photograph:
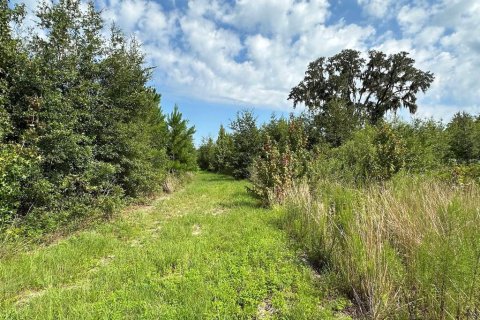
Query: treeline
point(80, 129)
point(276, 153)
point(389, 207)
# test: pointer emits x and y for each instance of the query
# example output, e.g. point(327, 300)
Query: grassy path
point(206, 252)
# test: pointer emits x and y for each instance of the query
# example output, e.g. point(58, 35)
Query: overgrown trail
point(206, 252)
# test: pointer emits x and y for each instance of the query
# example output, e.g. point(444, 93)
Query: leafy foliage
point(283, 160)
point(79, 127)
point(206, 155)
point(246, 143)
point(463, 134)
point(346, 90)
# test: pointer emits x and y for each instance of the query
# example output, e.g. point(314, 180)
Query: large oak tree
point(347, 90)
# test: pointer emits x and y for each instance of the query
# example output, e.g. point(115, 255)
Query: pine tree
point(180, 148)
point(223, 152)
point(206, 155)
point(246, 141)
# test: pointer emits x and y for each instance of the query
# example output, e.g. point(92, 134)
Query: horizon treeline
point(80, 128)
point(370, 153)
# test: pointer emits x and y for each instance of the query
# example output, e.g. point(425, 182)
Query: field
point(207, 251)
point(407, 249)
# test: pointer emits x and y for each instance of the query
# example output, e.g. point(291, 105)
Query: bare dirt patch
point(265, 310)
point(196, 230)
point(219, 211)
point(28, 295)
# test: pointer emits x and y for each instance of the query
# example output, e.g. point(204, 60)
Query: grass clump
point(406, 249)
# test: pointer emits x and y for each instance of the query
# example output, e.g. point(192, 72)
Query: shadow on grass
point(241, 203)
point(211, 177)
point(243, 199)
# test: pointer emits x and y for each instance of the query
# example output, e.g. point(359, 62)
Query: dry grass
point(407, 249)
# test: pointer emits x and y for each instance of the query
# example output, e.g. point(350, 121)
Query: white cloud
point(252, 52)
point(443, 37)
point(445, 40)
point(412, 19)
point(376, 8)
point(277, 17)
point(255, 57)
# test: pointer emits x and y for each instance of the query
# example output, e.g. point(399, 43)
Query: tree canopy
point(80, 129)
point(350, 90)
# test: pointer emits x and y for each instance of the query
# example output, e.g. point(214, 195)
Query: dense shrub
point(373, 154)
point(370, 154)
point(426, 146)
point(273, 173)
point(80, 129)
point(463, 135)
point(282, 161)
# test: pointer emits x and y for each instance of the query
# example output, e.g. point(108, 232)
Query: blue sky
point(215, 57)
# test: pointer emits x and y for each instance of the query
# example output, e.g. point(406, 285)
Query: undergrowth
point(405, 249)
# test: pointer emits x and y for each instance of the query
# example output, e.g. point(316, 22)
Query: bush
point(373, 154)
point(80, 129)
point(273, 173)
point(425, 144)
point(463, 134)
point(282, 161)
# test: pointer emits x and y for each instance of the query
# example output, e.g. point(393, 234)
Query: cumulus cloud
point(412, 18)
point(248, 52)
point(276, 17)
point(252, 52)
point(442, 36)
point(376, 8)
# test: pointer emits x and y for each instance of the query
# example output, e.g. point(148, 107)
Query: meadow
point(409, 249)
point(206, 252)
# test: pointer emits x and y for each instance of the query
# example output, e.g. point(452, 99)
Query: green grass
point(206, 252)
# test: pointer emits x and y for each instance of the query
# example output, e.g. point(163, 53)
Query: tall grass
point(408, 249)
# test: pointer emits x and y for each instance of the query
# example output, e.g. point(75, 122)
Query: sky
point(216, 57)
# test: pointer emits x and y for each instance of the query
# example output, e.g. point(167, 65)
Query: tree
point(11, 61)
point(206, 155)
point(246, 142)
point(79, 126)
point(223, 152)
point(130, 131)
point(349, 90)
point(276, 130)
point(180, 148)
point(463, 138)
point(13, 165)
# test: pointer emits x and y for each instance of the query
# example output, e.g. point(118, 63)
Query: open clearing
point(206, 252)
